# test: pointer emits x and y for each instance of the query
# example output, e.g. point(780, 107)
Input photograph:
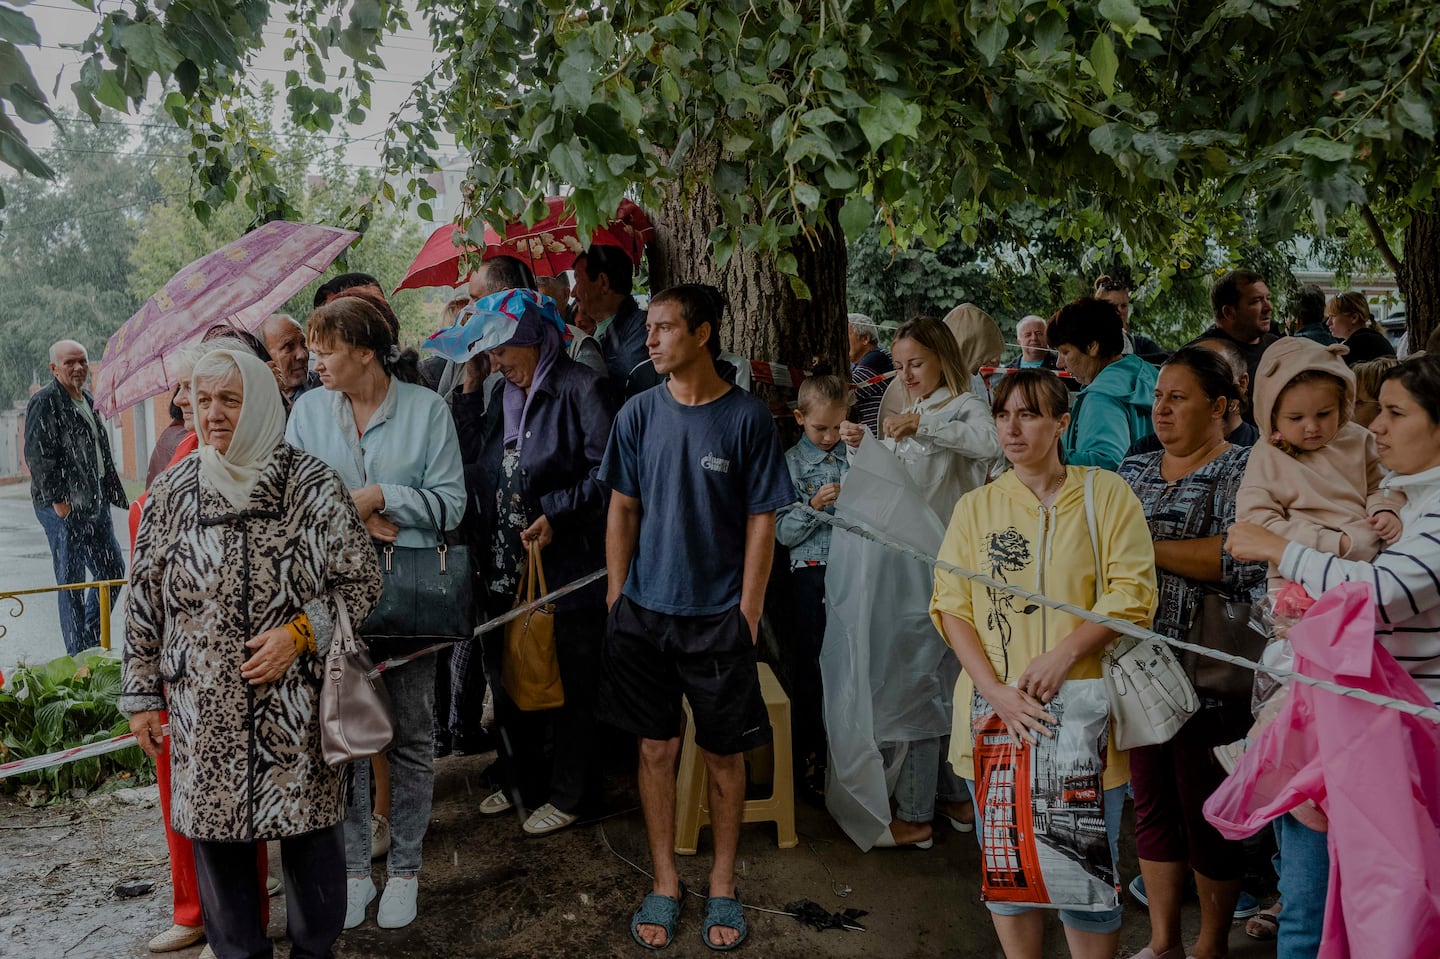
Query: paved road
point(34, 635)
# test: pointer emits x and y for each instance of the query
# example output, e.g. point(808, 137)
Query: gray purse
point(355, 717)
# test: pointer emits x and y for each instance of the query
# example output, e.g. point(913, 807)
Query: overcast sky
point(408, 56)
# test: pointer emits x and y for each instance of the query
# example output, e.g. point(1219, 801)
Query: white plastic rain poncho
point(888, 675)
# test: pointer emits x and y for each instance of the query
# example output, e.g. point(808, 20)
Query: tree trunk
point(765, 319)
point(1419, 277)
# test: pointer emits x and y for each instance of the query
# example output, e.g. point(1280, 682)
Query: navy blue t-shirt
point(699, 473)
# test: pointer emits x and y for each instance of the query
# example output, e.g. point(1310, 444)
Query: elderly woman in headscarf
point(244, 553)
point(531, 455)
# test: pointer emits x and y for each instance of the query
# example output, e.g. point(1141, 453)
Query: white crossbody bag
point(1150, 695)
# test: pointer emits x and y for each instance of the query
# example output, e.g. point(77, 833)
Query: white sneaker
point(177, 937)
point(359, 893)
point(397, 905)
point(379, 836)
point(208, 952)
point(496, 803)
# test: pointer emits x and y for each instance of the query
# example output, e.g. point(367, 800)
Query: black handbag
point(425, 593)
point(1222, 623)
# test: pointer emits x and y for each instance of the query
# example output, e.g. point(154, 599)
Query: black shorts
point(650, 659)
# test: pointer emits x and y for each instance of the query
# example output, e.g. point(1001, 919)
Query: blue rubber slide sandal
point(720, 911)
point(658, 910)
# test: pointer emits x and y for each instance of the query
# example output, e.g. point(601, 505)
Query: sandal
point(1265, 924)
point(729, 913)
point(658, 910)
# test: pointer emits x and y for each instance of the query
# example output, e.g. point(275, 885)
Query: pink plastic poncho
point(1373, 771)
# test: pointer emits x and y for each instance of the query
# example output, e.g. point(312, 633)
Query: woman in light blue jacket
point(394, 445)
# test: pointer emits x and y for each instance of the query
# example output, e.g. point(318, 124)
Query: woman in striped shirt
point(1406, 577)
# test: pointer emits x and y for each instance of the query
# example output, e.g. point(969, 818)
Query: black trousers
point(800, 656)
point(314, 865)
point(548, 755)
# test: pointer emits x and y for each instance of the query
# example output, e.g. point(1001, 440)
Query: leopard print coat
point(245, 760)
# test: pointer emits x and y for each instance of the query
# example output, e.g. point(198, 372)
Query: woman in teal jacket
point(1113, 410)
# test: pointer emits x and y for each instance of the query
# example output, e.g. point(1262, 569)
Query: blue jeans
point(925, 773)
point(83, 549)
point(1304, 883)
point(1102, 922)
point(412, 775)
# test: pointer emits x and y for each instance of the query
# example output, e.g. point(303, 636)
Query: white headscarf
point(258, 430)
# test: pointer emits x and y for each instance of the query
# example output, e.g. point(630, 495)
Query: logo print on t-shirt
point(715, 464)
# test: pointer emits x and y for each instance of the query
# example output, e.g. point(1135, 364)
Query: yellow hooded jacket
point(1001, 530)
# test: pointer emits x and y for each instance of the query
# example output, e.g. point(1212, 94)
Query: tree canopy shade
point(1138, 121)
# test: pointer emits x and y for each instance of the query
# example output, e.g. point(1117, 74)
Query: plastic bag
point(1043, 805)
point(1281, 608)
point(888, 675)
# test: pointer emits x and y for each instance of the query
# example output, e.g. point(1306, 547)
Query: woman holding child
point(1188, 492)
point(1407, 593)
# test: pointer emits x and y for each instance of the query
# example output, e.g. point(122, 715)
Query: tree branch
point(1378, 235)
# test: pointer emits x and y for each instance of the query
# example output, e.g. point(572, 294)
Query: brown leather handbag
point(529, 668)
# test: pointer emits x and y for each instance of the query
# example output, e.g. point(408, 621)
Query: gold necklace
point(1052, 489)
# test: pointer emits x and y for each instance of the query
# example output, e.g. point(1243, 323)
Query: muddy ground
point(486, 890)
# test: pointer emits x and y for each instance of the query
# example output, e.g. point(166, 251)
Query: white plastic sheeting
point(888, 675)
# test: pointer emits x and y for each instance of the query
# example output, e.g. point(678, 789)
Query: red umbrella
point(549, 247)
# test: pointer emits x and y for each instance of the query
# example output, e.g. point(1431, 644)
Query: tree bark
point(765, 319)
point(1419, 277)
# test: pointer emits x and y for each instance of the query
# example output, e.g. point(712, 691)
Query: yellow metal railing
point(104, 586)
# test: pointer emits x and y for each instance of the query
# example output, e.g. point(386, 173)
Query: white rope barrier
point(1119, 625)
point(50, 760)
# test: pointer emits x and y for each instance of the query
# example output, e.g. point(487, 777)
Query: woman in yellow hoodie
point(1029, 528)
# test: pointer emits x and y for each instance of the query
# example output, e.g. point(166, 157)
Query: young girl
point(1314, 478)
point(945, 440)
point(817, 465)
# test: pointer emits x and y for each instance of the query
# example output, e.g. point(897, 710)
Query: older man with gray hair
point(1035, 352)
point(73, 483)
point(868, 361)
point(289, 355)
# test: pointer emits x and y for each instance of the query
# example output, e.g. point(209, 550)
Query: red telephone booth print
point(1011, 869)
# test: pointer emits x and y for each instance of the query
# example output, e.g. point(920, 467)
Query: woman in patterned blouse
point(1188, 493)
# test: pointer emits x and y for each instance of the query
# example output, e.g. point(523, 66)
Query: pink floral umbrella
point(240, 284)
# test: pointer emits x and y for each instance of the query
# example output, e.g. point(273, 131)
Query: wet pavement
point(32, 630)
point(487, 891)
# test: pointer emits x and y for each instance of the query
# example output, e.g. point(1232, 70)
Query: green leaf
point(1048, 32)
point(807, 195)
point(991, 40)
point(888, 118)
point(424, 212)
point(1414, 114)
point(1330, 150)
point(855, 217)
point(799, 288)
point(1104, 62)
point(1125, 14)
point(16, 26)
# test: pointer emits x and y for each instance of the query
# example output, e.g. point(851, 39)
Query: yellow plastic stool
point(691, 797)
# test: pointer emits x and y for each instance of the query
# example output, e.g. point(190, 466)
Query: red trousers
point(182, 854)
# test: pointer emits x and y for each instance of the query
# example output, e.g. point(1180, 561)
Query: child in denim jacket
point(817, 465)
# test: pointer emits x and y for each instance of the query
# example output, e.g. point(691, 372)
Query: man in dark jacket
point(1241, 303)
point(603, 278)
point(73, 483)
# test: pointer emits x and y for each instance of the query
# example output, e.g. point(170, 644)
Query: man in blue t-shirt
point(696, 474)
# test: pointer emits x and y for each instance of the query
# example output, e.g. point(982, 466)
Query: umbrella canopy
point(240, 284)
point(549, 247)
